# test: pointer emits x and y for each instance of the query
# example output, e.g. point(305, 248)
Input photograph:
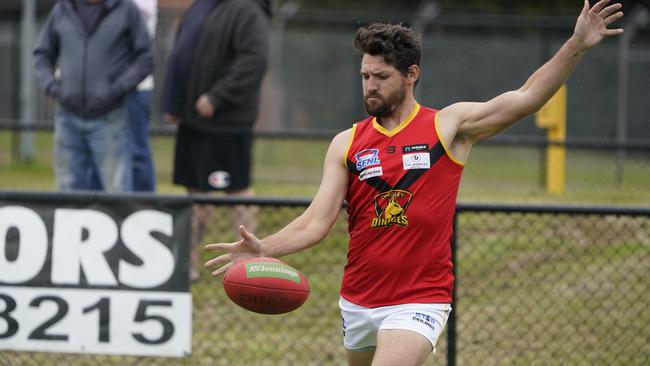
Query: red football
point(266, 285)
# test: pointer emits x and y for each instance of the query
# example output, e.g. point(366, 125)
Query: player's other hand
point(204, 107)
point(170, 118)
point(592, 23)
point(249, 246)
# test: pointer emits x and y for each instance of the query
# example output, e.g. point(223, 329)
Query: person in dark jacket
point(212, 89)
point(88, 56)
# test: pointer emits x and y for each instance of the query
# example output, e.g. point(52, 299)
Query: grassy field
point(292, 167)
point(533, 289)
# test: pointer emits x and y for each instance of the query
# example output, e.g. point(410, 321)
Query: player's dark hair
point(395, 42)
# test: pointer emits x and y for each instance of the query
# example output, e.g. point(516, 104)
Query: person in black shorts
point(212, 90)
point(220, 161)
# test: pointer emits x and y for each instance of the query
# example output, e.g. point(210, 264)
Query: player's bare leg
point(243, 214)
point(358, 358)
point(200, 216)
point(401, 347)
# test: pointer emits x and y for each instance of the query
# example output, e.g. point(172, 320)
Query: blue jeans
point(80, 144)
point(138, 113)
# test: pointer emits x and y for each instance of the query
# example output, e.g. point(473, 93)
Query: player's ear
point(413, 74)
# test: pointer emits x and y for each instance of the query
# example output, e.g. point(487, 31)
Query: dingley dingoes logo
point(390, 208)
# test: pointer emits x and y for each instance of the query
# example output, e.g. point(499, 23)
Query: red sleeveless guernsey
point(402, 188)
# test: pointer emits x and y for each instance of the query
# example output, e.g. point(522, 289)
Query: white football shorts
point(361, 324)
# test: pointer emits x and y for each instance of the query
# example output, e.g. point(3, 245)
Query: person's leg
point(359, 325)
point(243, 214)
point(200, 217)
point(401, 347)
point(109, 141)
point(409, 333)
point(360, 358)
point(236, 160)
point(391, 335)
point(71, 153)
point(189, 157)
point(94, 182)
point(394, 347)
point(138, 115)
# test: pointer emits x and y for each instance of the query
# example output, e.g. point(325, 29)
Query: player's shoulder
point(456, 109)
point(453, 114)
point(338, 147)
point(340, 143)
point(343, 137)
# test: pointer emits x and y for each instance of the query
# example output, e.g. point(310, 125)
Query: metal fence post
point(451, 322)
point(27, 32)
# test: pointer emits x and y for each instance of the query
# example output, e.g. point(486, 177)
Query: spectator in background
point(138, 108)
point(138, 113)
point(102, 50)
point(212, 89)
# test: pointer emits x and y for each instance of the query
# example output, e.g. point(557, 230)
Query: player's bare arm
point(465, 123)
point(306, 230)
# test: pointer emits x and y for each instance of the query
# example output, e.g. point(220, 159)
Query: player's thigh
point(401, 347)
point(360, 358)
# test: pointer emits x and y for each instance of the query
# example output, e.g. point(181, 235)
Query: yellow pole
point(552, 117)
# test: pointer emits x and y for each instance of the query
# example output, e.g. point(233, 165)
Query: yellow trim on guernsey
point(444, 145)
point(401, 125)
point(347, 149)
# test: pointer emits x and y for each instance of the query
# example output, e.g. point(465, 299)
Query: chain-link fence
point(313, 84)
point(495, 172)
point(501, 171)
point(552, 286)
point(313, 80)
point(539, 285)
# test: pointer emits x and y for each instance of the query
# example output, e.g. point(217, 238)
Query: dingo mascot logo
point(390, 208)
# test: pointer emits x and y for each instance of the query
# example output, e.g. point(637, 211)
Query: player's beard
point(387, 105)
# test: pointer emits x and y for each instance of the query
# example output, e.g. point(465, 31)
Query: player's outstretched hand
point(592, 23)
point(249, 246)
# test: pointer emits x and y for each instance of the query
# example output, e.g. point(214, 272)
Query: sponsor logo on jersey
point(371, 172)
point(366, 158)
point(416, 157)
point(421, 160)
point(390, 208)
point(415, 148)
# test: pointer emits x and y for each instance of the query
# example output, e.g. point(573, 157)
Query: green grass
point(532, 289)
point(553, 290)
point(278, 169)
point(293, 167)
